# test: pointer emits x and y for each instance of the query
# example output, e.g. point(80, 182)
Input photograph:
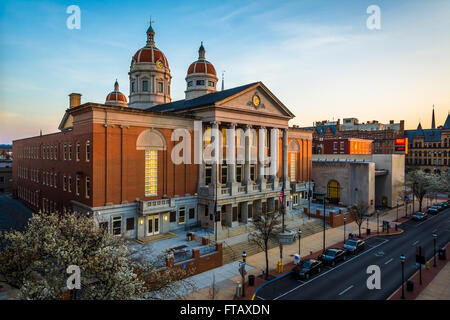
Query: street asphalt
point(347, 280)
point(13, 214)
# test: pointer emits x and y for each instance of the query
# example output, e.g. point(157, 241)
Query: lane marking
point(322, 274)
point(390, 260)
point(346, 290)
point(425, 221)
point(414, 243)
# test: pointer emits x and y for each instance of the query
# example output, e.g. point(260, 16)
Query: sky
point(318, 57)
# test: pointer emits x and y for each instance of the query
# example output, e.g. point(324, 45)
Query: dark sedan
point(332, 256)
point(354, 246)
point(307, 269)
point(419, 216)
point(433, 210)
point(444, 205)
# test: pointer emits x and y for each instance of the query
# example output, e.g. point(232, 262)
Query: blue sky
point(317, 57)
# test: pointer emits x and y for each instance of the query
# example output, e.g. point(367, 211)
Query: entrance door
point(152, 225)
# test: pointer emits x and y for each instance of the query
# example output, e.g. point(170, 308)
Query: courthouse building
point(114, 160)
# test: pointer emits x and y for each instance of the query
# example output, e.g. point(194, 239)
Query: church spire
point(433, 123)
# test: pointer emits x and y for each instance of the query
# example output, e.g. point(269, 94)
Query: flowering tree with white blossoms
point(36, 260)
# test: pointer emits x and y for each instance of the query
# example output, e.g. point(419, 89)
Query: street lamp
point(244, 255)
point(299, 232)
point(378, 223)
point(434, 242)
point(402, 260)
point(345, 219)
point(397, 210)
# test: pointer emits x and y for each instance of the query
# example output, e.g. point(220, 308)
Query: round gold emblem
point(256, 100)
point(160, 64)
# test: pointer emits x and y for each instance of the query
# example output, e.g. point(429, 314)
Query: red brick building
point(347, 146)
point(118, 160)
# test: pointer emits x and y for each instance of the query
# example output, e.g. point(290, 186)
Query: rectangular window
point(70, 151)
point(208, 172)
point(88, 150)
point(69, 185)
point(238, 173)
point(189, 83)
point(253, 172)
point(211, 83)
point(200, 82)
point(224, 175)
point(130, 224)
point(160, 87)
point(117, 226)
point(78, 151)
point(335, 145)
point(145, 85)
point(77, 186)
point(151, 172)
point(191, 213)
point(88, 187)
point(65, 183)
point(65, 152)
point(182, 215)
point(173, 216)
point(132, 87)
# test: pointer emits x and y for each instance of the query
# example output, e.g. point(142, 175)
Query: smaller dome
point(116, 98)
point(202, 66)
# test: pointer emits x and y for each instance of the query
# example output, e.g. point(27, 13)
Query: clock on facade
point(256, 101)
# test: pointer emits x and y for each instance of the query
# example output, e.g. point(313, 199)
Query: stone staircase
point(233, 252)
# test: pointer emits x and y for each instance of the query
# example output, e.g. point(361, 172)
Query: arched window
point(151, 141)
point(293, 150)
point(88, 150)
point(78, 151)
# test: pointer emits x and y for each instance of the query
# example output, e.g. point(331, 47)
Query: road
point(348, 279)
point(13, 214)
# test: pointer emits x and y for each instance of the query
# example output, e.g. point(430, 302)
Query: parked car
point(307, 268)
point(419, 216)
point(444, 204)
point(433, 210)
point(354, 246)
point(332, 256)
point(438, 206)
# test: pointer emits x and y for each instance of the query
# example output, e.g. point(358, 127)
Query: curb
point(266, 283)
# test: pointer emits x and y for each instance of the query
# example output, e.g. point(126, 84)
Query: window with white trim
point(117, 225)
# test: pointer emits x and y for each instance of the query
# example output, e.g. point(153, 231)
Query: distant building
point(429, 149)
point(376, 179)
point(5, 151)
point(382, 135)
point(347, 146)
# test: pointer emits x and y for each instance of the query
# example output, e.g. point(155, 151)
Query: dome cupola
point(116, 98)
point(149, 75)
point(201, 76)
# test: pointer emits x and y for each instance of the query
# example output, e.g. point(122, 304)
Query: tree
point(358, 212)
point(36, 260)
point(422, 183)
point(266, 228)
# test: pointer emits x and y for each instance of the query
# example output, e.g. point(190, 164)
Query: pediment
point(257, 99)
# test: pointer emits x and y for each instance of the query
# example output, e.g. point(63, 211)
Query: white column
point(261, 154)
point(247, 154)
point(274, 164)
point(216, 157)
point(231, 154)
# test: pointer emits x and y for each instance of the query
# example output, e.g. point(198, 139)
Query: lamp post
point(244, 255)
point(397, 210)
point(434, 243)
point(299, 232)
point(402, 260)
point(378, 223)
point(345, 219)
point(324, 211)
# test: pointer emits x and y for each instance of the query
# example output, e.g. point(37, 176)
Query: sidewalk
point(439, 288)
point(309, 244)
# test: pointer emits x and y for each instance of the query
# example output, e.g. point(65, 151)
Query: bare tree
point(213, 289)
point(358, 212)
point(266, 228)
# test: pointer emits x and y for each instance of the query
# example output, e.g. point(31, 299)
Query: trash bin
point(189, 236)
point(368, 231)
point(442, 254)
point(251, 280)
point(410, 285)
